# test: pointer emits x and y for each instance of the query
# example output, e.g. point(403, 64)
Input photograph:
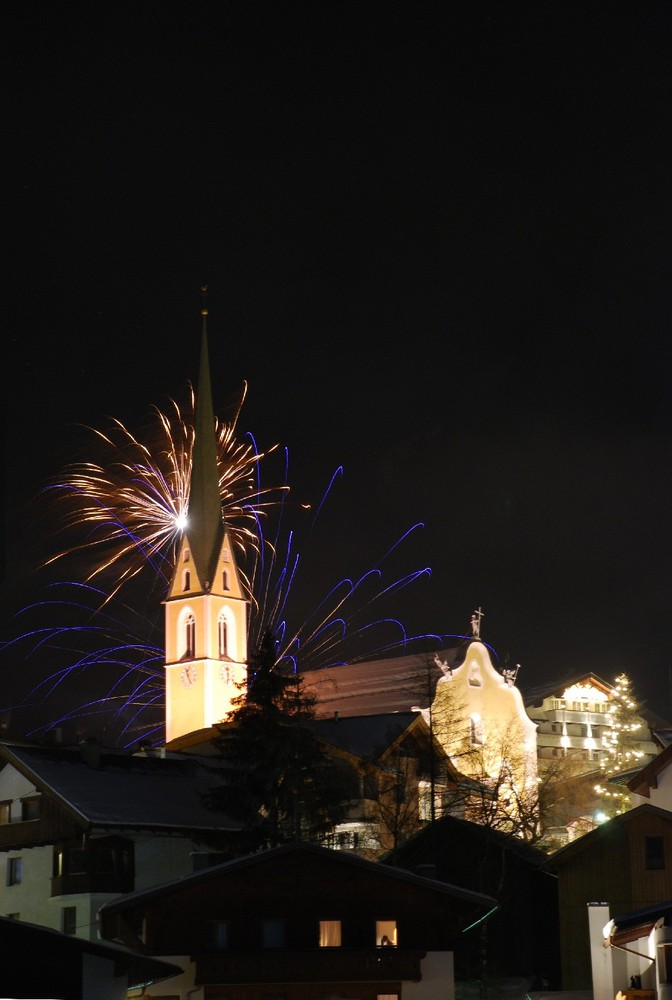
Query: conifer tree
point(621, 749)
point(280, 783)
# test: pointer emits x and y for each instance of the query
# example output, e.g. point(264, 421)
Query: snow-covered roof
point(109, 788)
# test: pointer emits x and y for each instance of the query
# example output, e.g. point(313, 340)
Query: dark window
point(69, 919)
point(75, 861)
point(5, 812)
point(654, 852)
point(218, 935)
point(30, 809)
point(14, 871)
point(273, 934)
point(190, 636)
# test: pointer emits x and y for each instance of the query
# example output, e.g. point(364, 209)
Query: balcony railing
point(320, 965)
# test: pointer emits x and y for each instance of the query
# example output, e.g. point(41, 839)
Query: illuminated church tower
point(206, 611)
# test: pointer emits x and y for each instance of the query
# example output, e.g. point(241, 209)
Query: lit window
point(5, 812)
point(14, 871)
point(386, 933)
point(69, 919)
point(273, 934)
point(330, 933)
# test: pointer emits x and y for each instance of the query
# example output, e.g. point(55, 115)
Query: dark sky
point(437, 242)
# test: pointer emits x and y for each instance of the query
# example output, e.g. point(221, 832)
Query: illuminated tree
point(621, 744)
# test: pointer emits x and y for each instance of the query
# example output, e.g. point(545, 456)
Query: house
point(403, 779)
point(653, 783)
point(575, 720)
point(622, 866)
point(521, 938)
point(37, 962)
point(79, 826)
point(301, 922)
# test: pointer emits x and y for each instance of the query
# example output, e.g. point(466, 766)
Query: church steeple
point(205, 525)
point(206, 608)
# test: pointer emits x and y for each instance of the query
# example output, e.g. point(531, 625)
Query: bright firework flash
point(131, 507)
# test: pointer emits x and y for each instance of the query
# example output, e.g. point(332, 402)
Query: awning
point(639, 923)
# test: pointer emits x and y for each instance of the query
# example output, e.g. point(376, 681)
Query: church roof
point(205, 525)
point(108, 788)
point(364, 736)
point(379, 687)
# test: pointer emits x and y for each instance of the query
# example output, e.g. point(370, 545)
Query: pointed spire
point(205, 525)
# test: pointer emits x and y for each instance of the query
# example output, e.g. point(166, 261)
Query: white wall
point(99, 981)
point(438, 978)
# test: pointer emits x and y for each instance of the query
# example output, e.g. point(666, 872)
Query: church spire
point(205, 525)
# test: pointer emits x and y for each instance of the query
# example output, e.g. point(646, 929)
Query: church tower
point(206, 610)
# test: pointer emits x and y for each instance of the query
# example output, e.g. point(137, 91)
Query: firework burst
point(126, 513)
point(131, 507)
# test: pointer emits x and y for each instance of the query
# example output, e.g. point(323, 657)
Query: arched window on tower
point(189, 637)
point(225, 579)
point(186, 580)
point(222, 636)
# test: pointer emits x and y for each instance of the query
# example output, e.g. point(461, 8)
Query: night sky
point(437, 244)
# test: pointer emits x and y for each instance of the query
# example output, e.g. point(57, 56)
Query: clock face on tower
point(189, 675)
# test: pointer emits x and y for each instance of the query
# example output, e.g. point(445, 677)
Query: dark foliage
point(282, 783)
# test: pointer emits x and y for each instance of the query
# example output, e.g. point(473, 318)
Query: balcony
point(389, 965)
